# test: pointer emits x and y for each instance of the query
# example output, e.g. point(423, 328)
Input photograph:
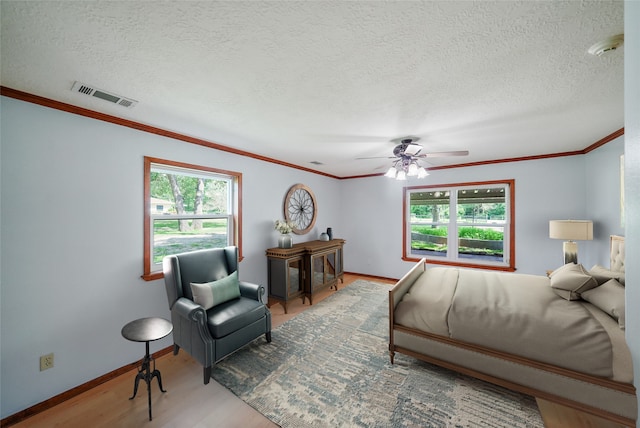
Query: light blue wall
point(545, 189)
point(72, 242)
point(632, 180)
point(71, 227)
point(602, 178)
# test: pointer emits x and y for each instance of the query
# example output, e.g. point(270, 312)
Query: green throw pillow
point(210, 294)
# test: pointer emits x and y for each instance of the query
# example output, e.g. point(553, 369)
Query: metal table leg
point(145, 373)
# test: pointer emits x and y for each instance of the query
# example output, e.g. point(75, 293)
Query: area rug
point(329, 367)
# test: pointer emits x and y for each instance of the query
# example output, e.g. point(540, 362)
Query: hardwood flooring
point(189, 403)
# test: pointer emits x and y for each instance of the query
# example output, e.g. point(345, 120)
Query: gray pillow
point(570, 280)
point(210, 294)
point(609, 297)
point(602, 274)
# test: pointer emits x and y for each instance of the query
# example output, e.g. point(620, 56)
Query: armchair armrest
point(189, 310)
point(251, 291)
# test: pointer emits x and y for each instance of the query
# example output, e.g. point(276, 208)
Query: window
point(465, 224)
point(187, 207)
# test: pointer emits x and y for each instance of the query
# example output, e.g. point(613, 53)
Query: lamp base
point(570, 249)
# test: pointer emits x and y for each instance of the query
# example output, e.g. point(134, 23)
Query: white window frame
point(153, 270)
point(452, 258)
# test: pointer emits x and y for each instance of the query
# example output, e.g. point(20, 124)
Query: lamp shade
point(573, 230)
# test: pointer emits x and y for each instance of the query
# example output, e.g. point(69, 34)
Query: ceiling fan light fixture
point(407, 155)
point(403, 168)
point(391, 172)
point(412, 170)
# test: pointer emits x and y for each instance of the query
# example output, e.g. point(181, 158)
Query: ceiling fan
point(409, 148)
point(406, 155)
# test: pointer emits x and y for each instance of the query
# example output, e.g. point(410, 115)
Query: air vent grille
point(103, 95)
point(126, 103)
point(85, 89)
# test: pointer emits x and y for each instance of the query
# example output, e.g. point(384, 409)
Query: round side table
point(147, 330)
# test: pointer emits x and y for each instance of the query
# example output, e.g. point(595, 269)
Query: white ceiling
point(334, 81)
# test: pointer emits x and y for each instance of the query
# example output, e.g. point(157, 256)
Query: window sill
point(152, 276)
point(461, 264)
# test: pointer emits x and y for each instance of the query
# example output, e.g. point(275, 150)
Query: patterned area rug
point(329, 367)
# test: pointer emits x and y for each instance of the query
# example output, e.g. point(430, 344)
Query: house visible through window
point(468, 224)
point(187, 207)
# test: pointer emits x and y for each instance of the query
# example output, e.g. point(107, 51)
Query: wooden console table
point(304, 269)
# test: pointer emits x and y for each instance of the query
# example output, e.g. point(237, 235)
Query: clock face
point(300, 208)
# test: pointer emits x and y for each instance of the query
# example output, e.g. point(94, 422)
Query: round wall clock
point(300, 208)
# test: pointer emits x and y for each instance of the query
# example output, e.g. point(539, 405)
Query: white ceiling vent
point(103, 95)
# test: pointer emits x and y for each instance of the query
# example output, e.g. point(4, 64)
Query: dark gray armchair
point(211, 335)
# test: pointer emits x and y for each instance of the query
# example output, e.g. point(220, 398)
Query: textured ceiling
point(334, 81)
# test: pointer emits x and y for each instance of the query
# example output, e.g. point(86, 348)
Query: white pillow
point(570, 280)
point(602, 274)
point(609, 297)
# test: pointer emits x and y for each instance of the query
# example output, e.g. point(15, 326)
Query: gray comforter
point(514, 313)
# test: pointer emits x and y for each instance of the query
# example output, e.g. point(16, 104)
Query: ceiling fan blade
point(377, 157)
point(444, 154)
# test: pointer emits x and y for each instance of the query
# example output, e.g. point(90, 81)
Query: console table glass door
point(326, 267)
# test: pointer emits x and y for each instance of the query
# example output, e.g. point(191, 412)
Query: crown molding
point(69, 108)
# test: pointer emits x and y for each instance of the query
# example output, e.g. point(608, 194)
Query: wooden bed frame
point(615, 401)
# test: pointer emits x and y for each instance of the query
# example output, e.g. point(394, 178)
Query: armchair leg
point(176, 349)
point(207, 375)
point(268, 336)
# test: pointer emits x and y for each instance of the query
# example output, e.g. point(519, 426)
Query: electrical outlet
point(46, 362)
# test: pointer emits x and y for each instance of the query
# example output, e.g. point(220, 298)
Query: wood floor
point(189, 403)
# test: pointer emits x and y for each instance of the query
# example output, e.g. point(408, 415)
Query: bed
point(558, 337)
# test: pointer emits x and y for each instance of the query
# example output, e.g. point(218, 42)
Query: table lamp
point(570, 231)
